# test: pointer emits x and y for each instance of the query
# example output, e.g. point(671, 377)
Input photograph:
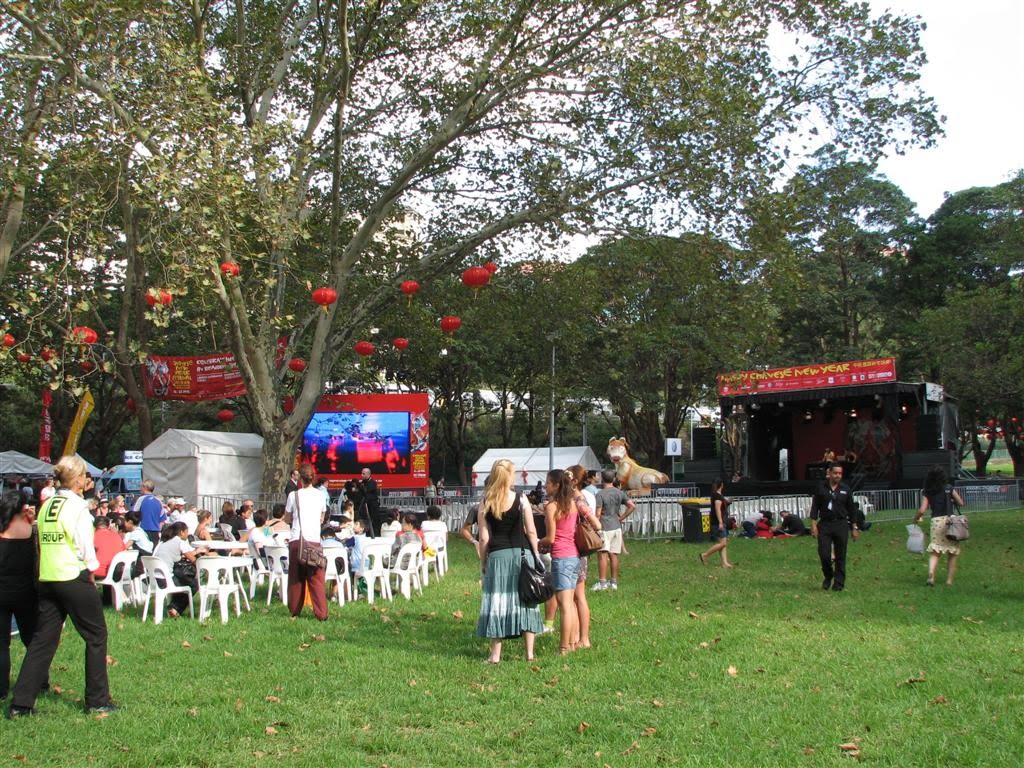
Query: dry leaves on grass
point(631, 748)
point(303, 646)
point(457, 615)
point(808, 750)
point(914, 680)
point(186, 644)
point(111, 661)
point(692, 615)
point(239, 705)
point(583, 726)
point(732, 671)
point(649, 731)
point(972, 620)
point(940, 699)
point(657, 703)
point(228, 654)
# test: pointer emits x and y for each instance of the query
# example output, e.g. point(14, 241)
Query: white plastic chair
point(157, 569)
point(437, 541)
point(337, 571)
point(375, 572)
point(406, 567)
point(121, 584)
point(217, 580)
point(259, 572)
point(277, 559)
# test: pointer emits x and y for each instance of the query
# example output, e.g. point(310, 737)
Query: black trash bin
point(696, 519)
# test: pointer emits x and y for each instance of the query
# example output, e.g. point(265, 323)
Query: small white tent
point(191, 463)
point(532, 464)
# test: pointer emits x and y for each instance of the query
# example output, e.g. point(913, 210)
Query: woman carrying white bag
point(942, 500)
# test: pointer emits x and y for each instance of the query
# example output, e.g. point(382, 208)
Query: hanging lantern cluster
point(364, 348)
point(225, 415)
point(230, 269)
point(491, 267)
point(9, 341)
point(476, 278)
point(297, 364)
point(155, 296)
point(400, 344)
point(451, 323)
point(83, 334)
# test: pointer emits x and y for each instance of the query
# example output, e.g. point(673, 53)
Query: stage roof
point(830, 393)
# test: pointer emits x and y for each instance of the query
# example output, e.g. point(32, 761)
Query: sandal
point(701, 558)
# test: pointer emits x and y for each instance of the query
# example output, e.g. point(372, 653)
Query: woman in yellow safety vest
point(66, 589)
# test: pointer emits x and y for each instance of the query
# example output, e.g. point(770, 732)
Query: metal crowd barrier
point(658, 517)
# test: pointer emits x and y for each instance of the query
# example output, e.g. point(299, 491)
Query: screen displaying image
point(345, 443)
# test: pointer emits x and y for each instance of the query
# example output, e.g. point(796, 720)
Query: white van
point(124, 480)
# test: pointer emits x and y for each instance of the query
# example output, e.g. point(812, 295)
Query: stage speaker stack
point(927, 432)
point(704, 441)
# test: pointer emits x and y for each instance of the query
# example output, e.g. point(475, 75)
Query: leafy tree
point(977, 342)
point(670, 314)
point(848, 229)
point(296, 138)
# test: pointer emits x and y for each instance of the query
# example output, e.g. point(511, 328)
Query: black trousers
point(58, 600)
point(25, 610)
point(832, 538)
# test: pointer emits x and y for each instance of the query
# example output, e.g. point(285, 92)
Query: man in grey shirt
point(610, 501)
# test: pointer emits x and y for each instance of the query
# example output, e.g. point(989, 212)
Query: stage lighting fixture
point(852, 413)
point(823, 402)
point(904, 409)
point(808, 416)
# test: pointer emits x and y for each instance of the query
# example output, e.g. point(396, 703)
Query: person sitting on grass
point(763, 527)
point(790, 525)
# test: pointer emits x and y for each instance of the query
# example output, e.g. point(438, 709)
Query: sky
point(975, 72)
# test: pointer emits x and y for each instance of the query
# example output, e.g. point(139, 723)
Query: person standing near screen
point(370, 500)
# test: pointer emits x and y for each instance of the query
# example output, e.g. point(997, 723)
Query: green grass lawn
point(691, 666)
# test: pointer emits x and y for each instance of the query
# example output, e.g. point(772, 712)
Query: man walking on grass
point(610, 501)
point(833, 514)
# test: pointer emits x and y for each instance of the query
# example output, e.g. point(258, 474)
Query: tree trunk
point(981, 455)
point(1015, 447)
point(278, 460)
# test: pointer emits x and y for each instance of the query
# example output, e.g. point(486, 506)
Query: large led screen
point(388, 434)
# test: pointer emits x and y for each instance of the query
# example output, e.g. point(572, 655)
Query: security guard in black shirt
point(833, 514)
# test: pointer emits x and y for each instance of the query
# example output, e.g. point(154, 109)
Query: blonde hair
point(496, 486)
point(68, 469)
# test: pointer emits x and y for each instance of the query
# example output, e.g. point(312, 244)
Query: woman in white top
point(306, 511)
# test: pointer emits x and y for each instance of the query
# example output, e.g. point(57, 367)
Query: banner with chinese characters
point(819, 376)
point(203, 377)
point(45, 427)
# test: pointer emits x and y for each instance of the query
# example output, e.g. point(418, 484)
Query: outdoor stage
point(780, 423)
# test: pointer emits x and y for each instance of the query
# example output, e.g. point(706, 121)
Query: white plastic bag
point(915, 539)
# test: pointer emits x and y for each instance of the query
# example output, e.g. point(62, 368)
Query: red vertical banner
point(45, 427)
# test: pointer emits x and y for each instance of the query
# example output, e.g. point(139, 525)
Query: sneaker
point(549, 626)
point(826, 584)
point(16, 712)
point(600, 586)
point(613, 585)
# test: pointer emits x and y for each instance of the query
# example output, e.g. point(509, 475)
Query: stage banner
point(85, 409)
point(45, 427)
point(204, 377)
point(389, 434)
point(797, 377)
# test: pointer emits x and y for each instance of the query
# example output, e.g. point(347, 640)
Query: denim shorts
point(718, 532)
point(564, 572)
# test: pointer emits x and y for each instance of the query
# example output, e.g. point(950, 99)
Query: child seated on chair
point(433, 521)
point(357, 554)
point(261, 534)
point(407, 535)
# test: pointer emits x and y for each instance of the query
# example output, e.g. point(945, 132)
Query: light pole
point(551, 446)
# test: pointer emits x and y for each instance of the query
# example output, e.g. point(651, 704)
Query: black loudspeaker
point(927, 432)
point(704, 441)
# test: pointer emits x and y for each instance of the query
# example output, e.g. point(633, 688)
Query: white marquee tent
point(17, 463)
point(532, 464)
point(191, 463)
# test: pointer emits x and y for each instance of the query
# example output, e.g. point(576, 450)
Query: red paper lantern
point(225, 415)
point(297, 364)
point(401, 344)
point(230, 269)
point(9, 341)
point(88, 365)
point(24, 357)
point(364, 348)
point(325, 297)
point(156, 296)
point(47, 354)
point(165, 297)
point(476, 278)
point(491, 267)
point(130, 404)
point(450, 323)
point(288, 404)
point(409, 288)
point(151, 298)
point(83, 334)
point(991, 422)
